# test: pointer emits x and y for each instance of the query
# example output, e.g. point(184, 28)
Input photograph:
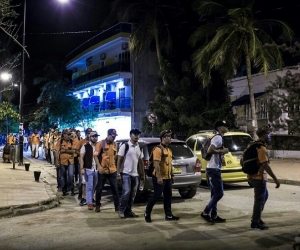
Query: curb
point(285, 181)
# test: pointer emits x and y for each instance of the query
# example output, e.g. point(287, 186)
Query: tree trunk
point(251, 91)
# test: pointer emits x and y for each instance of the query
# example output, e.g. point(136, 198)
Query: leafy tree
point(233, 37)
point(284, 103)
point(9, 118)
point(151, 25)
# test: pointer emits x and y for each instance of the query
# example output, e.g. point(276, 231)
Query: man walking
point(127, 172)
point(162, 177)
point(107, 151)
point(258, 180)
point(35, 143)
point(213, 171)
point(88, 167)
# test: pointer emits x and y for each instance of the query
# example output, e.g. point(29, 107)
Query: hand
point(225, 150)
point(172, 179)
point(159, 180)
point(119, 179)
point(57, 165)
point(277, 184)
point(82, 171)
point(100, 170)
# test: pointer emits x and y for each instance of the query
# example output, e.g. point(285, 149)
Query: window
point(261, 109)
point(191, 143)
point(200, 141)
point(236, 143)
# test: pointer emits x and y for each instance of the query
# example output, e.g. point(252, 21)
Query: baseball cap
point(112, 132)
point(219, 124)
point(135, 131)
point(164, 133)
point(94, 133)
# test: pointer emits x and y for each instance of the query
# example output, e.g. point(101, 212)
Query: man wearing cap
point(127, 171)
point(64, 157)
point(88, 167)
point(258, 180)
point(213, 171)
point(106, 151)
point(162, 177)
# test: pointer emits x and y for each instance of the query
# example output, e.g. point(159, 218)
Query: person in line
point(88, 167)
point(127, 172)
point(25, 143)
point(82, 183)
point(213, 171)
point(64, 156)
point(162, 177)
point(11, 140)
point(259, 180)
point(76, 140)
point(35, 143)
point(106, 150)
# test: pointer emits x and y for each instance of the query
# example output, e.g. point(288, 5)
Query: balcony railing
point(119, 103)
point(118, 28)
point(112, 68)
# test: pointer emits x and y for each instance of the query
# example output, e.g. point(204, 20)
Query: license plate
point(177, 170)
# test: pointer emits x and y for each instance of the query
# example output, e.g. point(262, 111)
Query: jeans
point(35, 150)
point(260, 188)
point(52, 156)
point(91, 179)
point(129, 188)
point(25, 146)
point(67, 177)
point(112, 178)
point(216, 190)
point(76, 168)
point(166, 189)
point(58, 177)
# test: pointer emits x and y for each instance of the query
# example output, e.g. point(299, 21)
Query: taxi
point(236, 142)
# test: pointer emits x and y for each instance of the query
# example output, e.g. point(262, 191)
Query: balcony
point(116, 29)
point(107, 106)
point(107, 70)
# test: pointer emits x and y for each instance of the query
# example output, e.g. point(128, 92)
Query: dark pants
point(67, 177)
point(166, 189)
point(112, 178)
point(58, 177)
point(216, 190)
point(76, 168)
point(260, 192)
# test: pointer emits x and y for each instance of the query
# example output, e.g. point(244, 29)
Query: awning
point(245, 99)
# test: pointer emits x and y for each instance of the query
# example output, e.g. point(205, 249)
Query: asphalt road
point(73, 227)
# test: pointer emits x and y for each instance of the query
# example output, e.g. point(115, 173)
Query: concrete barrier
point(285, 154)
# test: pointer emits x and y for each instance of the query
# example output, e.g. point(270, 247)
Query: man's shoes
point(121, 215)
point(82, 202)
point(131, 215)
point(72, 193)
point(218, 219)
point(171, 217)
point(207, 218)
point(117, 210)
point(147, 218)
point(261, 222)
point(65, 193)
point(259, 226)
point(97, 209)
point(90, 207)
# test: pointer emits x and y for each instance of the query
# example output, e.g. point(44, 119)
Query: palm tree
point(151, 20)
point(235, 36)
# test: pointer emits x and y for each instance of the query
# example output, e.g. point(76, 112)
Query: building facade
point(112, 82)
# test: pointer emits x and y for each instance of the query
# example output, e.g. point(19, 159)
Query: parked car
point(231, 169)
point(186, 166)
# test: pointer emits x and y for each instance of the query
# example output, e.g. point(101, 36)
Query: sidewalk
point(21, 194)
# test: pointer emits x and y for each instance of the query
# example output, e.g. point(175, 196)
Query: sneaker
point(121, 215)
point(65, 193)
point(117, 210)
point(218, 219)
point(259, 226)
point(82, 202)
point(207, 218)
point(90, 207)
point(72, 193)
point(147, 218)
point(97, 209)
point(131, 215)
point(171, 217)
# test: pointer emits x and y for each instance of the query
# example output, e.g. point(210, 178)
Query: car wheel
point(187, 193)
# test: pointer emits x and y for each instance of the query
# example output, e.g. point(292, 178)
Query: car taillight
point(146, 164)
point(198, 166)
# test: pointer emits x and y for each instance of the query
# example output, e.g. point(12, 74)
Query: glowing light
point(6, 76)
point(63, 1)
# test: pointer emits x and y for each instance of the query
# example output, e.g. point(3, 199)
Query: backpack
point(151, 167)
point(249, 160)
point(204, 149)
point(6, 150)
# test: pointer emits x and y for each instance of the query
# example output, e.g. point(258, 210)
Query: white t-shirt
point(216, 159)
point(82, 151)
point(130, 161)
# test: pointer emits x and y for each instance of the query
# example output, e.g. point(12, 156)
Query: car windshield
point(236, 143)
point(179, 150)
